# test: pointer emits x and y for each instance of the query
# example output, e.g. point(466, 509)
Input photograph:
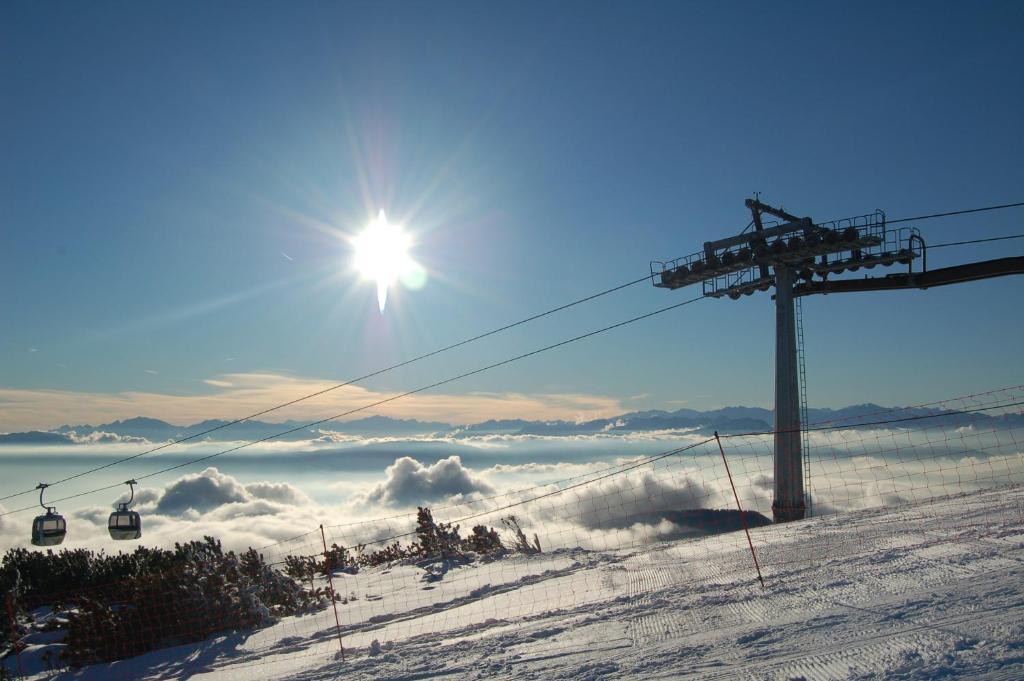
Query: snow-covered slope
point(923, 591)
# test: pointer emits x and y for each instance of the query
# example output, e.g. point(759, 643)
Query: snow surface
point(923, 591)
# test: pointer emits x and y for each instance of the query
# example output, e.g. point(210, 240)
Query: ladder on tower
point(805, 443)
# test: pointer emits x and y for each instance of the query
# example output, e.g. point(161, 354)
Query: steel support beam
point(958, 274)
point(802, 226)
point(788, 503)
point(757, 207)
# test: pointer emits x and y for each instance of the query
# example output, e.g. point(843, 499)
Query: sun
point(382, 255)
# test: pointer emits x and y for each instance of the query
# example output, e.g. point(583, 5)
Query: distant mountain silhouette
point(501, 426)
point(725, 420)
point(140, 426)
point(34, 437)
point(156, 430)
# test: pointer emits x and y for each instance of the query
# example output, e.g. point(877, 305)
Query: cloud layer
point(590, 506)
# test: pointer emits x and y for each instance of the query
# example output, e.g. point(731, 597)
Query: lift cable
point(957, 212)
point(373, 374)
point(977, 241)
point(433, 353)
point(382, 401)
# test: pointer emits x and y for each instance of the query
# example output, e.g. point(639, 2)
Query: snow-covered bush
point(46, 578)
point(484, 541)
point(519, 541)
point(435, 540)
point(388, 554)
point(205, 592)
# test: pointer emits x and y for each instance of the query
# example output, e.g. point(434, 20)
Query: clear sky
point(177, 181)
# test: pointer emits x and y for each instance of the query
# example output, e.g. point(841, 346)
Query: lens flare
point(382, 255)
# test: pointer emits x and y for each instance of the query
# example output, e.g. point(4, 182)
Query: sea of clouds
point(602, 502)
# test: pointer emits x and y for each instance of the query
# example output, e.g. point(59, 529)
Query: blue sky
point(176, 180)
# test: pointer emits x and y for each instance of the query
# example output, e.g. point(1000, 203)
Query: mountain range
point(725, 420)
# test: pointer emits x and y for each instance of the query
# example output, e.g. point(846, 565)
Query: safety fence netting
point(688, 523)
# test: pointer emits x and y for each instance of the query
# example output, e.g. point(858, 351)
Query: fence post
point(743, 516)
point(330, 582)
point(9, 601)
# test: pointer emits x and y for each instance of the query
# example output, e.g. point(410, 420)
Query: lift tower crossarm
point(958, 274)
point(802, 225)
point(757, 208)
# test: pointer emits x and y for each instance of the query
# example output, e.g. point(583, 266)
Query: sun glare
point(382, 255)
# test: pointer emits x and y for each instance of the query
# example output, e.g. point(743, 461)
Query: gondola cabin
point(124, 524)
point(49, 529)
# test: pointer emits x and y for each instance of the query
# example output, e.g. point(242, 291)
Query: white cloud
point(212, 494)
point(92, 514)
point(202, 492)
point(280, 492)
point(146, 496)
point(619, 423)
point(564, 468)
point(244, 509)
point(101, 437)
point(409, 483)
point(641, 495)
